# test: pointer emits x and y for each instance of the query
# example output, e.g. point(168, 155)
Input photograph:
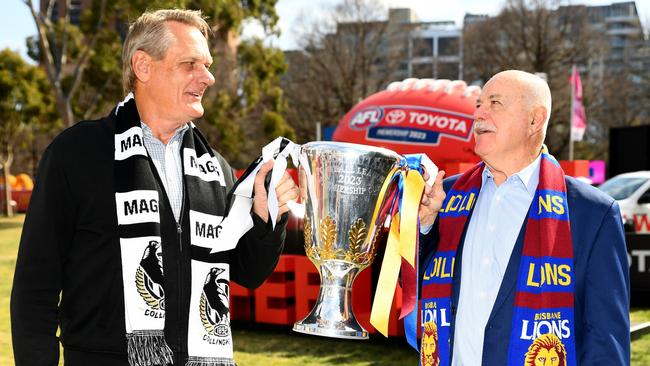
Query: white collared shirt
point(167, 160)
point(491, 236)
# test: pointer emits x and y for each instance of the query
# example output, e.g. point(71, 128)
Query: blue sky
point(16, 22)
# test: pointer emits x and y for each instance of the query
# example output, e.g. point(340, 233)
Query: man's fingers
point(428, 190)
point(290, 194)
point(285, 183)
point(282, 210)
point(437, 187)
point(425, 175)
point(440, 177)
point(261, 174)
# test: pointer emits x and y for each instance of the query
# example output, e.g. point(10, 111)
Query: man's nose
point(480, 112)
point(206, 76)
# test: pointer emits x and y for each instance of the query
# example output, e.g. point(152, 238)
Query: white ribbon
point(279, 167)
point(239, 220)
point(429, 165)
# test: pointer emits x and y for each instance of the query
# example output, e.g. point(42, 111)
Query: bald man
point(521, 264)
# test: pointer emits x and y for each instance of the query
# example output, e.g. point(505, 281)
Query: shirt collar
point(147, 132)
point(529, 176)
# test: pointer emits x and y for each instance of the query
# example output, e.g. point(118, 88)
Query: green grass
point(641, 346)
point(282, 347)
point(10, 229)
point(263, 345)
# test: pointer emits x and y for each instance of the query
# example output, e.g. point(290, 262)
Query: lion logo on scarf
point(546, 350)
point(149, 276)
point(214, 303)
point(429, 345)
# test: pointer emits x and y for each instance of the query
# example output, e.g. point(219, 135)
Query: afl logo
point(214, 306)
point(149, 277)
point(366, 118)
point(395, 116)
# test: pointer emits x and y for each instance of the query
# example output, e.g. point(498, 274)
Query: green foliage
point(262, 68)
point(55, 38)
point(231, 14)
point(23, 85)
point(228, 134)
point(24, 99)
point(101, 87)
point(246, 110)
point(274, 126)
point(247, 72)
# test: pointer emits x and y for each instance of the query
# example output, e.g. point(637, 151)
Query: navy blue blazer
point(601, 278)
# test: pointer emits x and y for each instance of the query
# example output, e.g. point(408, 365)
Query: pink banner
point(578, 116)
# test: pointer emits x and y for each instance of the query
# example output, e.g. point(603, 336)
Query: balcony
point(632, 19)
point(625, 32)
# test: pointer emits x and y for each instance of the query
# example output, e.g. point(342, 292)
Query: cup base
point(314, 329)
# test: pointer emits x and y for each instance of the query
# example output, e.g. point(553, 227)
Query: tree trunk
point(7, 210)
point(65, 109)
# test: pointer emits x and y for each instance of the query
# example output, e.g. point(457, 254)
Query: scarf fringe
point(209, 361)
point(148, 348)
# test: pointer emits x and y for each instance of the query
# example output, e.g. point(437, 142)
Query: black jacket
point(68, 271)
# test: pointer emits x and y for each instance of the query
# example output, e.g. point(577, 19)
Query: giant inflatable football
point(416, 116)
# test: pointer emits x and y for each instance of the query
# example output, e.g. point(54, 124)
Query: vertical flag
point(578, 116)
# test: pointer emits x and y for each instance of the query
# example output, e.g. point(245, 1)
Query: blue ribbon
point(412, 162)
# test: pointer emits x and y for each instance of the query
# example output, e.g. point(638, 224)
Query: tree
point(245, 110)
point(63, 51)
point(531, 35)
point(343, 58)
point(24, 98)
point(621, 100)
point(83, 66)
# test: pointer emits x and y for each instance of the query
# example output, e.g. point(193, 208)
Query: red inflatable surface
point(416, 116)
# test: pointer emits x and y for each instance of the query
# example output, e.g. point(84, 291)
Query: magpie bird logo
point(214, 307)
point(149, 276)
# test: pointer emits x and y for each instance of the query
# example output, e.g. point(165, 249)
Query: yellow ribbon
point(401, 244)
point(380, 201)
point(413, 188)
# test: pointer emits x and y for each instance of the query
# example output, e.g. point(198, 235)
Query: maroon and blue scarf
point(542, 324)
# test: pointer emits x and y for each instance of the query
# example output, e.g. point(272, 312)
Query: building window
point(423, 71)
point(447, 70)
point(448, 46)
point(55, 12)
point(75, 12)
point(423, 47)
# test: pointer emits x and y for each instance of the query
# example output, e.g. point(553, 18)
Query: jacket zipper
point(181, 268)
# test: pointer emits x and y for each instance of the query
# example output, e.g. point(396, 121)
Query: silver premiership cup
point(340, 184)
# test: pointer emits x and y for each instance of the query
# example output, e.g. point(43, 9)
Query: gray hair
point(150, 34)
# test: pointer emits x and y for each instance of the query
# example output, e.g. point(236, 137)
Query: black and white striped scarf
point(137, 197)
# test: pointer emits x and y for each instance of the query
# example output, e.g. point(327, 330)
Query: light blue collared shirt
point(493, 229)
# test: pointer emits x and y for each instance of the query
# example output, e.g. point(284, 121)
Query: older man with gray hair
point(122, 247)
point(523, 265)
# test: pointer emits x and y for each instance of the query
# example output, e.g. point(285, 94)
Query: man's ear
point(537, 120)
point(141, 64)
